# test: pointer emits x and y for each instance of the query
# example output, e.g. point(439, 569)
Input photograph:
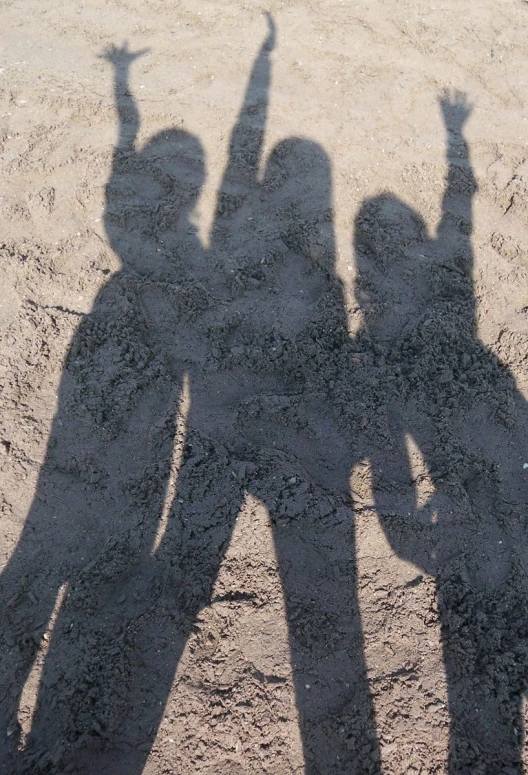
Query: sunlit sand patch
point(224, 709)
point(30, 692)
point(184, 406)
point(423, 484)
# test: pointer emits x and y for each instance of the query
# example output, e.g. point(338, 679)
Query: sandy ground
point(264, 328)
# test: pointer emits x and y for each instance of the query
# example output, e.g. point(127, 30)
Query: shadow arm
point(126, 106)
point(460, 180)
point(247, 137)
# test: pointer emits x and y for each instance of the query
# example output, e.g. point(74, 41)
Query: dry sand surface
point(263, 387)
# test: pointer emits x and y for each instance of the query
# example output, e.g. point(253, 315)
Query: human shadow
point(200, 377)
point(102, 484)
point(447, 470)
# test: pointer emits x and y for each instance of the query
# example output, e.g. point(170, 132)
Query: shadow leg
point(28, 591)
point(316, 550)
point(484, 648)
point(133, 614)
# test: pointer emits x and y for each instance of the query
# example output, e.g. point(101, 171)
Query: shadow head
point(298, 184)
point(149, 202)
point(175, 158)
point(391, 276)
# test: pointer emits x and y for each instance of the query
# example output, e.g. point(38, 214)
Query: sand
point(263, 387)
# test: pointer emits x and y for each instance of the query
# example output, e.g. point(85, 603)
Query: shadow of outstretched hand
point(121, 56)
point(456, 109)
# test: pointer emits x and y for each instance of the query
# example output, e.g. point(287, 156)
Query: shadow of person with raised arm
point(197, 379)
point(260, 425)
point(448, 477)
point(82, 568)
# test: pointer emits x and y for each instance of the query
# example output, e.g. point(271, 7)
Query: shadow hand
point(271, 40)
point(456, 108)
point(121, 56)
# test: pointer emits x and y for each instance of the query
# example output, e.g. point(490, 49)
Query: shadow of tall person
point(448, 478)
point(102, 485)
point(260, 425)
point(196, 379)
